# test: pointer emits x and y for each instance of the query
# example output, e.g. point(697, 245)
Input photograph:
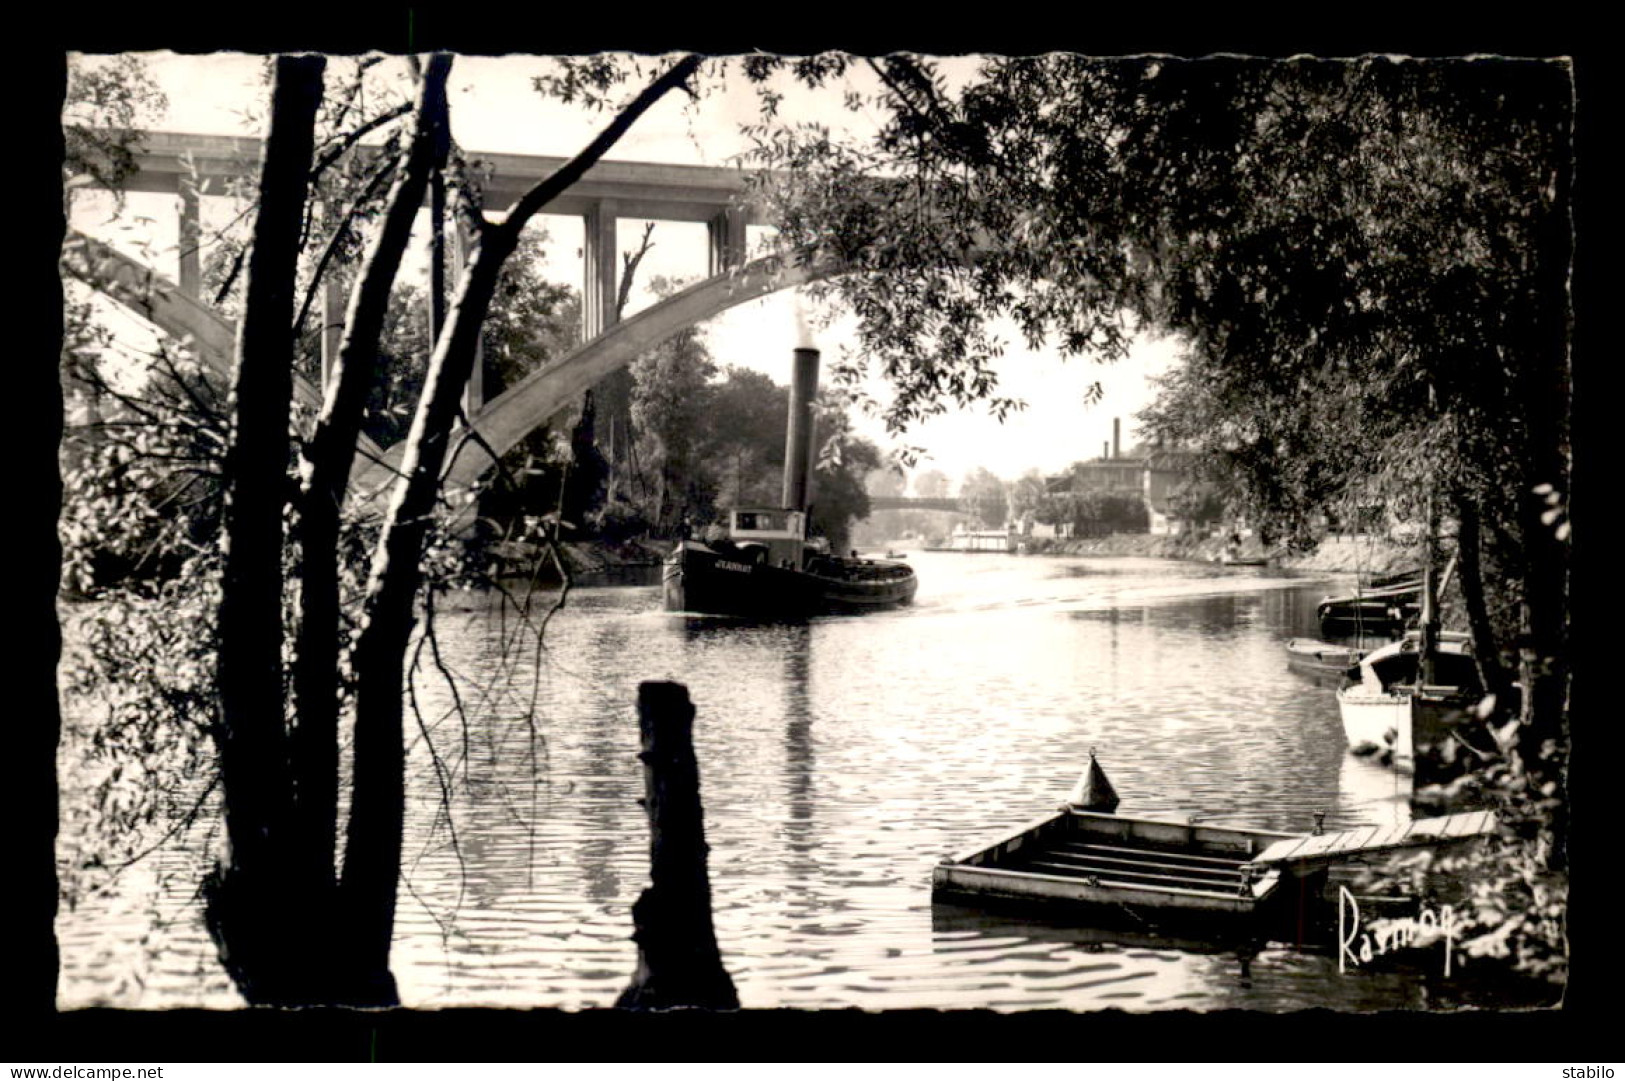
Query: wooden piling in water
point(679, 963)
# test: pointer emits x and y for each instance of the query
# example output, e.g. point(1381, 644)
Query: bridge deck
point(638, 189)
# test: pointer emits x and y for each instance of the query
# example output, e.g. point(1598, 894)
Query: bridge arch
point(509, 417)
point(504, 420)
point(151, 296)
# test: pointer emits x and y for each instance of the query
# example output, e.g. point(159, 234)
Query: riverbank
point(584, 559)
point(1356, 555)
point(603, 557)
point(1353, 554)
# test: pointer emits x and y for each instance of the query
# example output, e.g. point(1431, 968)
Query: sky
point(494, 109)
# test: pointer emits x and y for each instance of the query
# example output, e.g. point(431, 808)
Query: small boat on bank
point(766, 568)
point(1390, 695)
point(1380, 610)
point(1002, 541)
point(1316, 658)
point(1091, 865)
point(1410, 577)
point(1085, 858)
point(1383, 605)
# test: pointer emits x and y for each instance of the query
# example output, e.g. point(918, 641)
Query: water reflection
point(1106, 966)
point(840, 757)
point(801, 841)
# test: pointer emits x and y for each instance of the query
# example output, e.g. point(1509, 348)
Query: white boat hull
point(1378, 722)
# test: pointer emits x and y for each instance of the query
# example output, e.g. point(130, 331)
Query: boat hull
point(1385, 610)
point(1321, 658)
point(1378, 723)
point(1079, 863)
point(698, 578)
point(1392, 713)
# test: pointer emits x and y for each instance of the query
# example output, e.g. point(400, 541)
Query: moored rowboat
point(1321, 658)
point(1083, 860)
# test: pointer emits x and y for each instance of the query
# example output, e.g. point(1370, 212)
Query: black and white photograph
point(894, 531)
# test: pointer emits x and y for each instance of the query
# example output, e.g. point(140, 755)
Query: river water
point(840, 758)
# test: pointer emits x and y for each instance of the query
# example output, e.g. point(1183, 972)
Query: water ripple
point(840, 759)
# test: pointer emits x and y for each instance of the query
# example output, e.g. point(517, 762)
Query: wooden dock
point(1308, 852)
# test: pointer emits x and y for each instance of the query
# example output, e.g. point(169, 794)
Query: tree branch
point(331, 248)
point(631, 260)
point(572, 171)
point(355, 136)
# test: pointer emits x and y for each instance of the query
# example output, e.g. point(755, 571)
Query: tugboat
point(765, 566)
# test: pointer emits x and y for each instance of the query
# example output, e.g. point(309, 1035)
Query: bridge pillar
point(727, 233)
point(474, 389)
point(191, 269)
point(332, 326)
point(602, 289)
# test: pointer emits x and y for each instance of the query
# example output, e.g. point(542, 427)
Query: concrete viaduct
point(190, 166)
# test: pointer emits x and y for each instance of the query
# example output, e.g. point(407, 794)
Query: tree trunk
point(328, 459)
point(1545, 379)
point(372, 857)
point(679, 963)
point(1470, 575)
point(612, 396)
point(254, 905)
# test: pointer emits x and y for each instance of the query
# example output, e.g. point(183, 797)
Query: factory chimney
point(1117, 437)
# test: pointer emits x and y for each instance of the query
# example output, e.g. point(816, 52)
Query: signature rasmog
point(1357, 947)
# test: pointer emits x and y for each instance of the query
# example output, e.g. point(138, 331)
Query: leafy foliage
point(1347, 246)
point(931, 484)
point(1367, 260)
point(1026, 493)
point(669, 409)
point(838, 492)
point(1196, 502)
point(109, 99)
point(984, 496)
point(1093, 513)
point(744, 444)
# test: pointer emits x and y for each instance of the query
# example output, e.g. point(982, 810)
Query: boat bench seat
point(1125, 864)
point(1131, 867)
point(1147, 853)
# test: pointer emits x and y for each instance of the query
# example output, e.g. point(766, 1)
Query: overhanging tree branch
point(572, 171)
point(329, 457)
point(372, 860)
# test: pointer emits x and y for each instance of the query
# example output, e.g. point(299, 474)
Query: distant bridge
point(902, 502)
point(194, 166)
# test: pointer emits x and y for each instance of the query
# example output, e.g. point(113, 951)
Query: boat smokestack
point(798, 440)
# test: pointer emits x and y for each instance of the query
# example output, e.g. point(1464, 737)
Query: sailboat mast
point(1430, 598)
